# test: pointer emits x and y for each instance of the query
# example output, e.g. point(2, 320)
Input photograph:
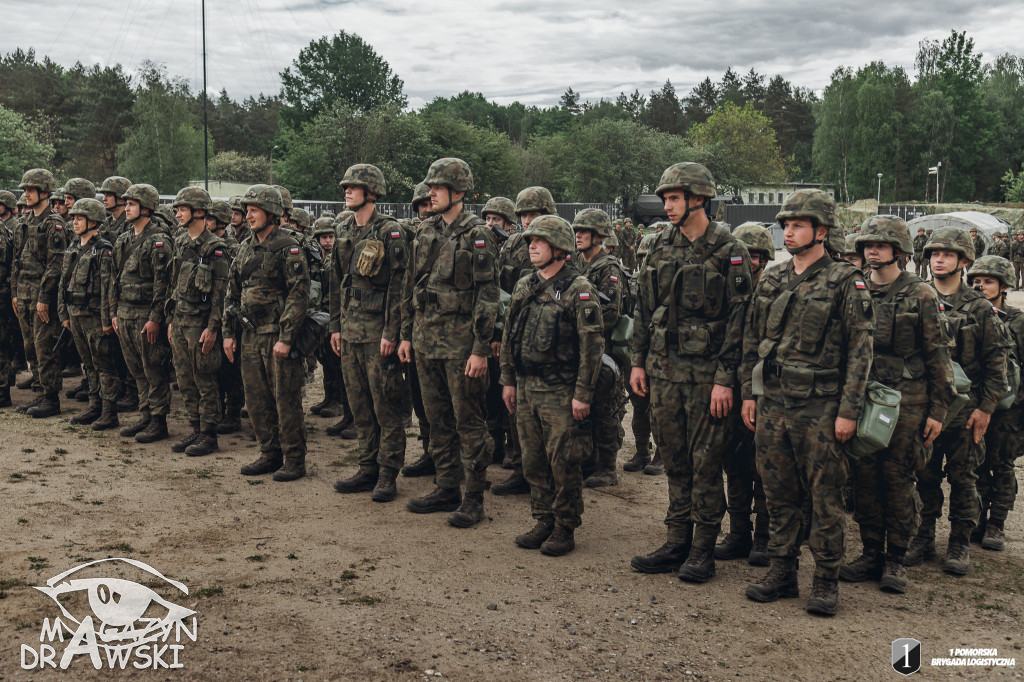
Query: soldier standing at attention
point(686, 349)
point(367, 266)
point(229, 376)
point(7, 320)
point(999, 246)
point(806, 357)
point(982, 344)
point(911, 355)
point(550, 358)
point(979, 243)
point(238, 223)
point(919, 260)
point(112, 189)
point(448, 318)
point(265, 304)
point(1017, 256)
point(195, 306)
point(335, 402)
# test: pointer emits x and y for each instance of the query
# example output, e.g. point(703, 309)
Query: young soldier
point(910, 355)
point(1017, 256)
point(686, 350)
point(550, 357)
point(979, 243)
point(112, 190)
point(919, 261)
point(8, 339)
point(229, 375)
point(806, 356)
point(239, 226)
point(335, 402)
point(982, 343)
point(850, 253)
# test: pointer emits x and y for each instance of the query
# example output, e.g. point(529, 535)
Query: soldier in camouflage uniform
point(694, 290)
point(979, 243)
point(448, 317)
point(630, 240)
point(911, 355)
point(335, 402)
point(195, 305)
point(136, 305)
point(1017, 257)
point(368, 264)
point(920, 263)
point(997, 481)
point(982, 344)
point(999, 246)
point(806, 358)
point(58, 204)
point(229, 375)
point(71, 360)
point(239, 226)
point(41, 240)
point(7, 318)
point(513, 265)
point(82, 309)
point(265, 306)
point(112, 189)
point(641, 421)
point(850, 254)
point(550, 358)
point(592, 226)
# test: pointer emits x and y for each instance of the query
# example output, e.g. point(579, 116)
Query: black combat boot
point(5, 397)
point(824, 599)
point(315, 408)
point(205, 444)
point(602, 478)
point(343, 428)
point(516, 484)
point(156, 430)
point(469, 513)
point(231, 423)
point(87, 416)
point(995, 537)
point(779, 583)
point(759, 550)
point(386, 488)
point(129, 400)
point(894, 576)
point(738, 542)
point(360, 483)
point(108, 417)
point(438, 500)
point(22, 409)
point(536, 537)
point(294, 468)
point(137, 427)
point(182, 445)
point(72, 393)
point(656, 467)
point(641, 459)
point(922, 549)
point(333, 410)
point(958, 559)
point(699, 566)
point(666, 559)
point(561, 542)
point(73, 369)
point(26, 383)
point(424, 466)
point(267, 463)
point(978, 533)
point(49, 406)
point(868, 566)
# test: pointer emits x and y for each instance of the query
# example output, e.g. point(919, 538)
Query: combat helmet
point(57, 195)
point(196, 198)
point(323, 225)
point(8, 199)
point(367, 176)
point(235, 203)
point(266, 197)
point(40, 178)
point(689, 177)
point(452, 173)
point(756, 237)
point(993, 266)
point(500, 206)
point(302, 218)
point(554, 230)
point(950, 238)
point(595, 220)
point(815, 204)
point(420, 194)
point(220, 210)
point(535, 199)
point(286, 198)
point(145, 195)
point(850, 245)
point(90, 208)
point(611, 241)
point(80, 188)
point(22, 201)
point(115, 185)
point(888, 229)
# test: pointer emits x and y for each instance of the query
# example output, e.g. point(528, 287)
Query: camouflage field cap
point(367, 176)
point(90, 208)
point(452, 173)
point(850, 246)
point(595, 220)
point(689, 177)
point(145, 195)
point(993, 266)
point(535, 199)
point(265, 197)
point(302, 218)
point(40, 178)
point(420, 194)
point(80, 188)
point(323, 225)
point(809, 203)
point(8, 199)
point(235, 203)
point(220, 210)
point(889, 229)
point(756, 237)
point(950, 239)
point(554, 230)
point(115, 185)
point(286, 198)
point(500, 206)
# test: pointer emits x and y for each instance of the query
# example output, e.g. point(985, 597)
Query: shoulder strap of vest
point(898, 290)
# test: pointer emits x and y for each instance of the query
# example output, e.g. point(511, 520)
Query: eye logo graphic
point(115, 624)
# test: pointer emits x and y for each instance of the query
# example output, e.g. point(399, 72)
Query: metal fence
point(403, 210)
point(907, 212)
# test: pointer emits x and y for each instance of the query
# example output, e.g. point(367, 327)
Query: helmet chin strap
point(947, 275)
point(878, 265)
point(797, 250)
point(686, 213)
point(451, 203)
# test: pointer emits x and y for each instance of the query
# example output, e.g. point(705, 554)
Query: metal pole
point(879, 199)
point(938, 167)
point(206, 127)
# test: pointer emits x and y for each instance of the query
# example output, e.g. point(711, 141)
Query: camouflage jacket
point(513, 261)
point(553, 335)
point(812, 342)
point(912, 344)
point(230, 243)
point(366, 309)
point(39, 246)
point(1017, 251)
point(982, 345)
point(1013, 318)
point(142, 273)
point(269, 283)
point(1000, 248)
point(693, 297)
point(85, 280)
point(979, 247)
point(112, 227)
point(199, 276)
point(6, 262)
point(240, 233)
point(451, 289)
point(919, 242)
point(605, 273)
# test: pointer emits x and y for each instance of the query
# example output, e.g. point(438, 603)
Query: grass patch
point(255, 558)
point(205, 592)
point(22, 522)
point(60, 451)
point(6, 584)
point(291, 556)
point(348, 575)
point(304, 668)
point(361, 600)
point(38, 562)
point(97, 502)
point(28, 451)
point(243, 586)
point(122, 547)
point(254, 482)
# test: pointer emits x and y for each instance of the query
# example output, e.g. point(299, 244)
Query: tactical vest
point(545, 342)
point(898, 348)
point(968, 335)
point(359, 291)
point(84, 282)
point(6, 258)
point(446, 270)
point(515, 261)
point(263, 286)
point(33, 255)
point(196, 274)
point(137, 275)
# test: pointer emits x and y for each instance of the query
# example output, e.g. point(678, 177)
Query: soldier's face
point(256, 217)
point(109, 200)
point(183, 214)
point(354, 197)
point(990, 287)
point(69, 201)
point(422, 209)
point(493, 219)
point(800, 232)
point(61, 208)
point(81, 224)
point(540, 252)
point(944, 262)
point(878, 252)
point(326, 242)
point(211, 223)
point(584, 240)
point(756, 261)
point(676, 203)
point(236, 217)
point(131, 209)
point(529, 217)
point(855, 259)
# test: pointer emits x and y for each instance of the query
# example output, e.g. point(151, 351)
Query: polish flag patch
point(396, 235)
point(294, 251)
point(158, 244)
point(859, 284)
point(218, 252)
point(480, 243)
point(736, 260)
point(614, 278)
point(584, 295)
point(997, 311)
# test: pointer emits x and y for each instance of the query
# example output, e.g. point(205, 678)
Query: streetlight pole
point(938, 167)
point(879, 199)
point(272, 164)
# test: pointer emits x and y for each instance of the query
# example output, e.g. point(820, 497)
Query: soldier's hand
point(580, 410)
point(495, 349)
point(107, 330)
point(979, 424)
point(387, 347)
point(508, 394)
point(43, 310)
point(932, 429)
point(14, 305)
point(405, 352)
point(66, 324)
point(749, 412)
point(169, 332)
point(476, 366)
point(113, 323)
point(638, 381)
point(208, 338)
point(721, 401)
point(282, 349)
point(150, 331)
point(230, 346)
point(845, 428)
point(336, 343)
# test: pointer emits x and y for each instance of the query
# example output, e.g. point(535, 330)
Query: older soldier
point(999, 246)
point(982, 343)
point(806, 357)
point(367, 266)
point(686, 348)
point(448, 317)
point(911, 355)
point(550, 358)
point(267, 297)
point(38, 260)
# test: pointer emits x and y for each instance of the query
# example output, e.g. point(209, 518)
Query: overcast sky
point(508, 49)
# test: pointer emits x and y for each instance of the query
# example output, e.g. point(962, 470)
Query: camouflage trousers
point(743, 487)
point(641, 420)
point(378, 401)
point(888, 508)
point(1018, 274)
point(147, 364)
point(416, 395)
point(334, 381)
point(798, 457)
point(97, 351)
point(920, 264)
point(39, 340)
point(273, 392)
point(7, 340)
point(691, 443)
point(607, 432)
point(962, 456)
point(454, 404)
point(997, 480)
point(554, 445)
point(229, 383)
point(500, 423)
point(197, 373)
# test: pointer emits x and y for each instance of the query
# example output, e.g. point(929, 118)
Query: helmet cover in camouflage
point(302, 218)
point(367, 176)
point(689, 177)
point(220, 210)
point(611, 241)
point(343, 216)
point(993, 266)
point(167, 213)
point(809, 203)
point(235, 203)
point(328, 214)
point(90, 208)
point(500, 206)
point(7, 199)
point(889, 229)
point(40, 178)
point(80, 188)
point(196, 198)
point(850, 245)
point(323, 225)
point(535, 199)
point(57, 195)
point(286, 198)
point(420, 194)
point(115, 185)
point(265, 197)
point(145, 195)
point(756, 237)
point(554, 230)
point(950, 239)
point(595, 220)
point(453, 173)
point(22, 201)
